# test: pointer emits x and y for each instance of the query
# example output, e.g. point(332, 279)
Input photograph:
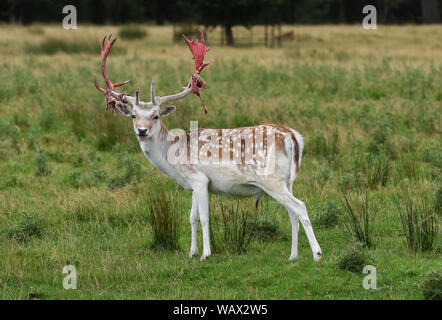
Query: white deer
point(237, 174)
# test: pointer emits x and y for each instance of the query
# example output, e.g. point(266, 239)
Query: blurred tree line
point(226, 13)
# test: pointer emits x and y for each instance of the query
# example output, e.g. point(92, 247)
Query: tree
point(229, 13)
point(430, 11)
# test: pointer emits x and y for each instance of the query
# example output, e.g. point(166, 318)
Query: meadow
point(75, 186)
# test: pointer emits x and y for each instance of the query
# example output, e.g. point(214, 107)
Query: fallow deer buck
point(223, 161)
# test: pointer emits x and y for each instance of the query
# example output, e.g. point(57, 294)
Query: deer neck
point(156, 148)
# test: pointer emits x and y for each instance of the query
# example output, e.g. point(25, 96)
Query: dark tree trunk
point(430, 11)
point(229, 34)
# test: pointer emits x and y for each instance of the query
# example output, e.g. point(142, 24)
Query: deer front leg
point(202, 198)
point(194, 226)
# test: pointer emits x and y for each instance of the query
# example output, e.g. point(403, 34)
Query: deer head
point(146, 115)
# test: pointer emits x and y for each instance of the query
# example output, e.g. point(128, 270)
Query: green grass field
point(74, 183)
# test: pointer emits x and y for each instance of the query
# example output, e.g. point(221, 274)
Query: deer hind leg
point(202, 198)
point(297, 212)
point(194, 226)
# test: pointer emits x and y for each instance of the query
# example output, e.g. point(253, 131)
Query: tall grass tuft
point(359, 219)
point(230, 227)
point(165, 218)
point(378, 172)
point(41, 163)
point(419, 223)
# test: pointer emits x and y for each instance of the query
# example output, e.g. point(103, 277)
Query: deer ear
point(124, 108)
point(164, 111)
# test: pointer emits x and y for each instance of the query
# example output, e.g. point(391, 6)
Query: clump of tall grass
point(130, 32)
point(165, 216)
point(26, 228)
point(378, 171)
point(354, 258)
point(432, 286)
point(419, 222)
point(231, 227)
point(320, 146)
point(41, 163)
point(359, 219)
point(328, 215)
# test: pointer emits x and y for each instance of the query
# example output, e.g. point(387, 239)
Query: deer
point(238, 174)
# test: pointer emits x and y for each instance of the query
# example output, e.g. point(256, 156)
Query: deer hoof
point(317, 256)
point(293, 258)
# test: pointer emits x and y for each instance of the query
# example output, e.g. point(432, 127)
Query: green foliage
point(165, 216)
point(419, 222)
point(26, 228)
point(359, 219)
point(354, 258)
point(231, 227)
point(41, 164)
point(132, 32)
point(52, 46)
point(328, 215)
point(432, 286)
point(265, 228)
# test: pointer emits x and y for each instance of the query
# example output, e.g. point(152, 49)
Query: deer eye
point(156, 117)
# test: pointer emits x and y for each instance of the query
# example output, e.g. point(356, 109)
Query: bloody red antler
point(105, 49)
point(198, 50)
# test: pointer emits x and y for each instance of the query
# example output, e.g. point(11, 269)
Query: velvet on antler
point(111, 101)
point(198, 50)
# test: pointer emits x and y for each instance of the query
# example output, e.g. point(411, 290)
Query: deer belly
point(226, 188)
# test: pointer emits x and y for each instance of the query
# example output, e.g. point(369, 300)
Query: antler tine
point(152, 92)
point(137, 97)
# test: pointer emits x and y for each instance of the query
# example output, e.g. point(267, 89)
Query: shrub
point(432, 287)
point(359, 219)
point(165, 219)
point(419, 223)
point(42, 164)
point(27, 227)
point(328, 215)
point(131, 32)
point(354, 258)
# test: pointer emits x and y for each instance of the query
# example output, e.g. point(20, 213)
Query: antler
point(118, 100)
point(198, 50)
point(112, 97)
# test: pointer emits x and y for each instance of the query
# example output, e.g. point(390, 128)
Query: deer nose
point(142, 131)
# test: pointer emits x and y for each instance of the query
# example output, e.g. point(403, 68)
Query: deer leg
point(194, 226)
point(202, 198)
point(297, 208)
point(295, 228)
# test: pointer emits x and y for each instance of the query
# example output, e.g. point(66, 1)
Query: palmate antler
point(118, 100)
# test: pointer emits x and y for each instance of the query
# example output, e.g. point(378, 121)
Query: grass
point(370, 119)
point(419, 222)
